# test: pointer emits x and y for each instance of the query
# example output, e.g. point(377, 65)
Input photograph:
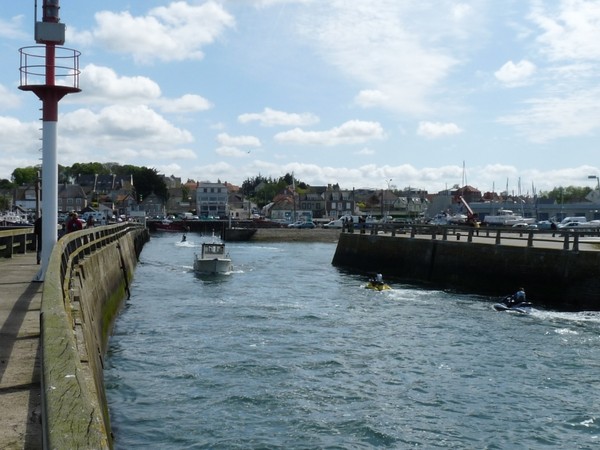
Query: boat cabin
point(215, 250)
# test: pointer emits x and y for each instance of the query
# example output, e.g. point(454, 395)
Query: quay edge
point(558, 278)
point(86, 282)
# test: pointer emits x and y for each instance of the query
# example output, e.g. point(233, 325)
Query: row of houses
point(100, 192)
point(220, 200)
point(223, 200)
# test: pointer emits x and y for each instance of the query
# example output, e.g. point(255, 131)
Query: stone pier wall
point(85, 284)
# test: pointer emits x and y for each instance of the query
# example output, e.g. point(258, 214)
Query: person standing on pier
point(37, 230)
point(73, 224)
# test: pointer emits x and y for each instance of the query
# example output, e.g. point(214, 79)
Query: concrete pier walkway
point(20, 391)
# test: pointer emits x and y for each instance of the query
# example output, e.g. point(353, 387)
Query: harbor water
point(289, 352)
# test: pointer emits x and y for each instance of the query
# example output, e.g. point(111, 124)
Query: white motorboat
point(505, 217)
point(11, 218)
point(213, 259)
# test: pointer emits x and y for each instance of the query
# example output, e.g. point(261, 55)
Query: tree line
point(145, 180)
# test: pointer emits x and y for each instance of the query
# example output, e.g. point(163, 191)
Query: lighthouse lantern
point(50, 30)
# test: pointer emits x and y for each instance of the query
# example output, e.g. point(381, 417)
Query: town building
point(212, 200)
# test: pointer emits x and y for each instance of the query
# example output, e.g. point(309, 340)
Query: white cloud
point(563, 104)
point(102, 85)
point(371, 97)
point(270, 117)
point(237, 141)
point(11, 29)
point(175, 32)
point(381, 47)
point(185, 104)
point(434, 130)
point(461, 11)
point(121, 133)
point(17, 136)
point(124, 122)
point(266, 3)
point(571, 29)
point(365, 152)
point(351, 132)
point(513, 75)
point(8, 99)
point(232, 152)
point(549, 118)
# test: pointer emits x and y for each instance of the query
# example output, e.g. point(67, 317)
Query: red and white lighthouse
point(50, 72)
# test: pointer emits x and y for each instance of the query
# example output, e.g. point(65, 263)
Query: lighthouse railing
point(33, 66)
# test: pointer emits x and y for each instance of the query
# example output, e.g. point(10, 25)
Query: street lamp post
point(383, 201)
point(592, 177)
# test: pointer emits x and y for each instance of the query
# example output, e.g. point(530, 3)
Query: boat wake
point(188, 244)
point(581, 317)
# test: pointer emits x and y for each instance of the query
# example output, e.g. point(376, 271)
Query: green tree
point(6, 184)
point(4, 203)
point(92, 168)
point(185, 192)
point(269, 187)
point(145, 181)
point(569, 194)
point(25, 175)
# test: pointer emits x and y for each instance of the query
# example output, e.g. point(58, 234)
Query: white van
point(99, 217)
point(338, 223)
point(566, 220)
point(341, 222)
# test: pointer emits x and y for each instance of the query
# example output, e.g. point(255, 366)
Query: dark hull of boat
point(523, 308)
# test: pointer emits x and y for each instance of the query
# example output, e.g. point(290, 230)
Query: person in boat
point(520, 296)
point(183, 238)
point(516, 298)
point(377, 280)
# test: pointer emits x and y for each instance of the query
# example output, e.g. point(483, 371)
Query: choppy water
point(289, 352)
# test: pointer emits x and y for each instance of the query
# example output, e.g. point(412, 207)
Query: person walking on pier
point(37, 230)
point(73, 224)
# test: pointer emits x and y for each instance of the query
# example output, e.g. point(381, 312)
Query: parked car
point(302, 225)
point(545, 225)
point(570, 224)
point(525, 225)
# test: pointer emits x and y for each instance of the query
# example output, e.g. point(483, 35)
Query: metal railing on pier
point(14, 241)
point(569, 238)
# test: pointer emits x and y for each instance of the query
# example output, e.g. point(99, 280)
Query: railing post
point(566, 242)
point(9, 247)
point(498, 237)
point(530, 239)
point(576, 242)
point(21, 244)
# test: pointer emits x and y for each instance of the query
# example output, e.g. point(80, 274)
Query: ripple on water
point(303, 358)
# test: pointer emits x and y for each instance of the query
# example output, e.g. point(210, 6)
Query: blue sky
point(364, 93)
